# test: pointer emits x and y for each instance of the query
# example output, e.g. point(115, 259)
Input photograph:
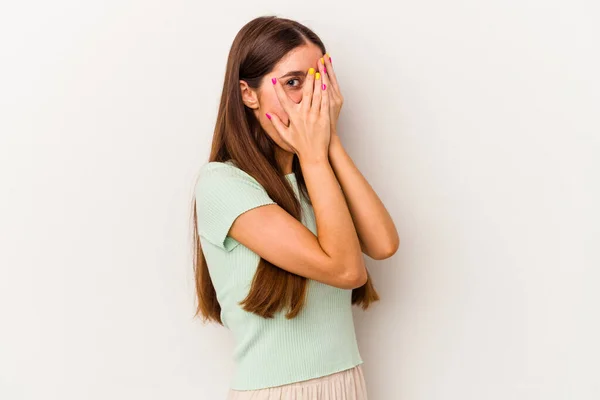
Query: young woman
point(276, 176)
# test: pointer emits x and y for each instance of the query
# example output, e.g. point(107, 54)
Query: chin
point(285, 147)
point(281, 143)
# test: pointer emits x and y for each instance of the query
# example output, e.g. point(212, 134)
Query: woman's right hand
point(309, 128)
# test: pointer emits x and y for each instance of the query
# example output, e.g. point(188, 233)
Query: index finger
point(307, 89)
point(285, 101)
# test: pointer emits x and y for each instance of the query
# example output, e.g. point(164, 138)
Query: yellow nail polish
point(322, 61)
point(317, 75)
point(311, 71)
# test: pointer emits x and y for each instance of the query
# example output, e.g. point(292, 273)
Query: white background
point(477, 123)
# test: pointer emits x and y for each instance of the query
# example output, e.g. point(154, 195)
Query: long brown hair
point(238, 136)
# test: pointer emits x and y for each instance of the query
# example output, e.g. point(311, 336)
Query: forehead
point(301, 58)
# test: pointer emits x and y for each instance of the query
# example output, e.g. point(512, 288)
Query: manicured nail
point(325, 69)
point(274, 80)
point(329, 59)
point(322, 61)
point(317, 75)
point(311, 71)
point(323, 86)
point(268, 116)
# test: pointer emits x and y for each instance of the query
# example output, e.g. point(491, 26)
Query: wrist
point(334, 143)
point(314, 166)
point(313, 159)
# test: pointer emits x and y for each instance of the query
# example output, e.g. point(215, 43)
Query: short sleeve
point(224, 192)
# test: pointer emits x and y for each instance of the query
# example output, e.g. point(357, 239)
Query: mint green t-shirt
point(320, 341)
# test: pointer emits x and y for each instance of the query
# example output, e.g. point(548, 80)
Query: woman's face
point(290, 72)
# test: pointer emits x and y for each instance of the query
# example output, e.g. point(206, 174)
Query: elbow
point(355, 277)
point(387, 251)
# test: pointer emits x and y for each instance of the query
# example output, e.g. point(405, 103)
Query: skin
point(265, 98)
point(351, 219)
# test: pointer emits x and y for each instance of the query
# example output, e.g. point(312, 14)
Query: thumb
point(279, 126)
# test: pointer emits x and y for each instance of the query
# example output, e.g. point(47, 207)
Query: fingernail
point(317, 75)
point(323, 86)
point(329, 59)
point(274, 80)
point(322, 61)
point(311, 71)
point(268, 116)
point(325, 69)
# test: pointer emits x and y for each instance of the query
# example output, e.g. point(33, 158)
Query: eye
point(291, 80)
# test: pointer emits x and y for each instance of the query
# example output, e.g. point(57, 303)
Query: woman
point(277, 173)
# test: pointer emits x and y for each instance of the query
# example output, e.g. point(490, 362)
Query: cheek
point(296, 96)
point(270, 103)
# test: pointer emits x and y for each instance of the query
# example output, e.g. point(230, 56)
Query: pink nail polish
point(274, 80)
point(268, 116)
point(325, 69)
point(323, 86)
point(329, 59)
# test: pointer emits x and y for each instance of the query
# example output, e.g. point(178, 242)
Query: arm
point(375, 228)
point(376, 231)
point(333, 257)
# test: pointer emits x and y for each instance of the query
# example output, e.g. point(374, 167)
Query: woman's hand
point(309, 130)
point(336, 100)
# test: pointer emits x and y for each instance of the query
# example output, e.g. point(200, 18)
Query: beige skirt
point(348, 385)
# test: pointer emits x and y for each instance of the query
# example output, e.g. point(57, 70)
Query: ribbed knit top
point(320, 341)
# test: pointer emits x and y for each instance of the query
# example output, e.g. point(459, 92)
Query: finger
point(307, 89)
point(331, 74)
point(325, 94)
point(279, 126)
point(325, 84)
point(285, 101)
point(316, 97)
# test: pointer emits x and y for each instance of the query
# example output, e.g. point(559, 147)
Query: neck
point(285, 160)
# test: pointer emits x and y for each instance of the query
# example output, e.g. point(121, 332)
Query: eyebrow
point(293, 73)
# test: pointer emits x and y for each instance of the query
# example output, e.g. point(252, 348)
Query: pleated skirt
point(344, 385)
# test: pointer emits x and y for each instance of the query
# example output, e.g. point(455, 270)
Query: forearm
point(336, 233)
point(374, 225)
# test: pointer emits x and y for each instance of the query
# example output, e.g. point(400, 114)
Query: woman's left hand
point(336, 100)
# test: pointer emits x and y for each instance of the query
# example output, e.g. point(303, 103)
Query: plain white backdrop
point(477, 123)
